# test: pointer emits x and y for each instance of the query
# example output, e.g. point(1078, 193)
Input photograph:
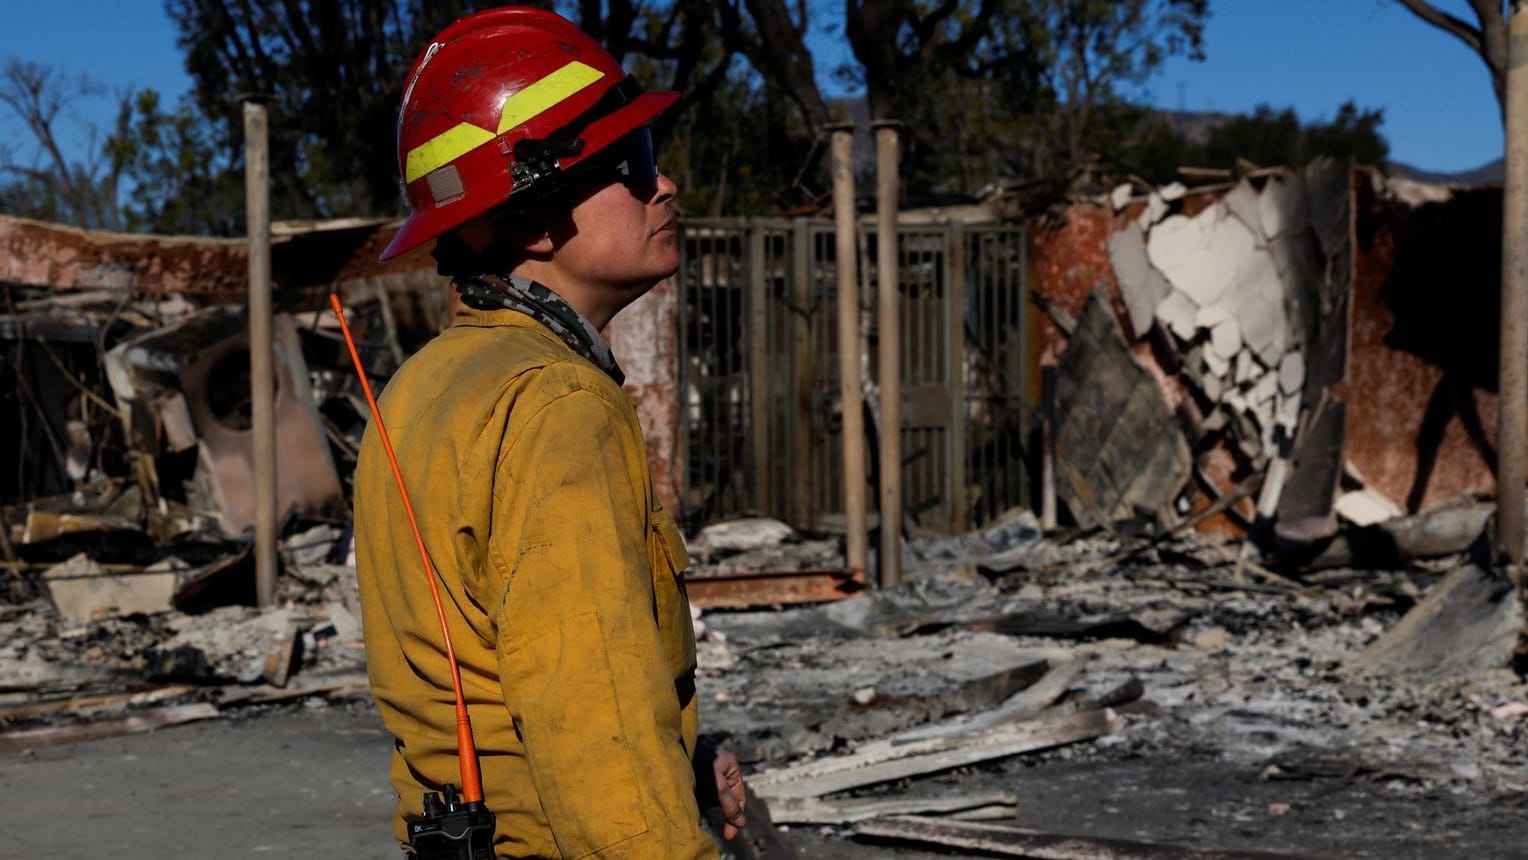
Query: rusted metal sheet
point(766, 588)
point(1217, 471)
point(1422, 408)
point(643, 340)
point(52, 256)
point(1069, 259)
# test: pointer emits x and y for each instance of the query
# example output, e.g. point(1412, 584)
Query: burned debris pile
point(914, 715)
point(128, 574)
point(1271, 358)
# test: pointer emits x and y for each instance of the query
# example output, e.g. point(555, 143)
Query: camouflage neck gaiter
point(492, 292)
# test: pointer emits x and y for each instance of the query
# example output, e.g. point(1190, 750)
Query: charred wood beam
point(143, 721)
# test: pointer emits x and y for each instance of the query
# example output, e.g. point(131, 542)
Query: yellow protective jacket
point(560, 577)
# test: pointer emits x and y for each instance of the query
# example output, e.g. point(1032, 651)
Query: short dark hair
point(454, 259)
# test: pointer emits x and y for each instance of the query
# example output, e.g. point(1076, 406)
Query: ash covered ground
point(1242, 726)
point(1238, 726)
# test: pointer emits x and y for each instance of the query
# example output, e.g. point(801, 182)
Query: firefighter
point(525, 156)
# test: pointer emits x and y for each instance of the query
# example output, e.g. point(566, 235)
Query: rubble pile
point(128, 567)
point(908, 714)
point(105, 647)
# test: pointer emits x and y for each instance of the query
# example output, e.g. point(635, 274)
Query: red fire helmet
point(501, 102)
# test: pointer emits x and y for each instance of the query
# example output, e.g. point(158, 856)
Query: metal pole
point(803, 293)
point(957, 482)
point(1513, 432)
point(262, 386)
point(849, 393)
point(758, 371)
point(889, 350)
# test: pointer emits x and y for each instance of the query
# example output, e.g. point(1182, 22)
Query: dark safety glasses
point(628, 161)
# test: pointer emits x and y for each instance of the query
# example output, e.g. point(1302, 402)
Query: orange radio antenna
point(466, 749)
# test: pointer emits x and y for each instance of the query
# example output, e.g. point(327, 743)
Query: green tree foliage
point(1269, 137)
point(741, 152)
point(959, 76)
point(182, 179)
point(1002, 91)
point(333, 74)
point(1097, 56)
point(1162, 142)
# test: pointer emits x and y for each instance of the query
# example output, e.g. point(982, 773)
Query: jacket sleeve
point(580, 654)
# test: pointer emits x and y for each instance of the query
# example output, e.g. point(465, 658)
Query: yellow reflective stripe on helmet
point(444, 148)
point(545, 93)
point(530, 102)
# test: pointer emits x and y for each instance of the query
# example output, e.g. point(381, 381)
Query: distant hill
point(1194, 126)
point(1486, 174)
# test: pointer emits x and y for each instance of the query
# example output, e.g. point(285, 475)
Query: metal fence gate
point(759, 369)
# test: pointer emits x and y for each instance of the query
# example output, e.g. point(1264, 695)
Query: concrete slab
point(1177, 314)
point(1292, 372)
point(1242, 203)
point(1200, 256)
point(1141, 285)
point(81, 590)
point(1226, 341)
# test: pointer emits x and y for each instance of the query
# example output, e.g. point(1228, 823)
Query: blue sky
point(1313, 55)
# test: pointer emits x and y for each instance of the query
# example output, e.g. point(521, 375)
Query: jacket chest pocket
point(671, 605)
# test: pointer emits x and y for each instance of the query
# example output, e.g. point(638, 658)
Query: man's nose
point(665, 189)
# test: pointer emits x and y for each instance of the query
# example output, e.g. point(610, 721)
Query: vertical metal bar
point(1513, 432)
point(889, 354)
point(1048, 448)
point(958, 435)
point(1026, 379)
point(262, 383)
point(715, 455)
point(850, 395)
point(758, 365)
point(802, 296)
point(682, 317)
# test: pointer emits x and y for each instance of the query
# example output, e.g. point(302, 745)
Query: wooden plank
point(813, 810)
point(1006, 841)
point(347, 684)
point(840, 773)
point(86, 704)
point(1022, 705)
point(774, 587)
point(143, 721)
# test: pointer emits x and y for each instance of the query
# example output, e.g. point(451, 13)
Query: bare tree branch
point(1457, 27)
point(1488, 40)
